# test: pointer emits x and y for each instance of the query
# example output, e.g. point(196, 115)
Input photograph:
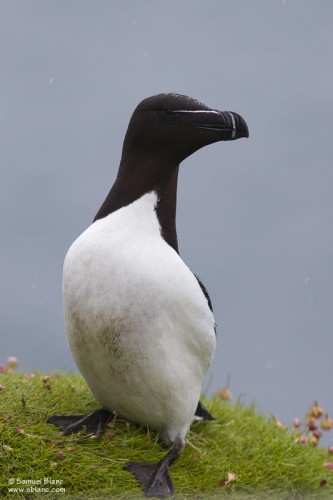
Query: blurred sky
point(254, 216)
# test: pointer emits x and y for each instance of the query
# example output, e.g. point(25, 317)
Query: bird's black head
point(173, 126)
point(164, 130)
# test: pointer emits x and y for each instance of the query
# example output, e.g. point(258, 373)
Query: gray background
point(254, 216)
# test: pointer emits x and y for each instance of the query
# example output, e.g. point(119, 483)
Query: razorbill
point(140, 324)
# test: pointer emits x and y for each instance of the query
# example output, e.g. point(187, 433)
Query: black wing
point(206, 294)
point(204, 291)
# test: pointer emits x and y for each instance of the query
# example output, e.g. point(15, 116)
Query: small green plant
point(241, 455)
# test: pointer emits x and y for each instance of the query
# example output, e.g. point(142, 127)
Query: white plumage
point(138, 323)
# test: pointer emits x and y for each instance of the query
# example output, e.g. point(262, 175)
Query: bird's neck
point(132, 183)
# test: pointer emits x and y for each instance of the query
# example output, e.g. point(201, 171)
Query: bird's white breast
point(138, 324)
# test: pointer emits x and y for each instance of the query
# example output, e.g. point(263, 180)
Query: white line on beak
point(233, 125)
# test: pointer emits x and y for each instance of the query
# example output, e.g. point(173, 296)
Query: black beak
point(227, 124)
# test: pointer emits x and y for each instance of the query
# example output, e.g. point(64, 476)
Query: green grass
point(266, 460)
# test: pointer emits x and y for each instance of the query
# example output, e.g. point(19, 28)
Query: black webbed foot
point(95, 422)
point(154, 477)
point(203, 413)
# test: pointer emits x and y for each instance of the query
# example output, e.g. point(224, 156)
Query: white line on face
point(195, 111)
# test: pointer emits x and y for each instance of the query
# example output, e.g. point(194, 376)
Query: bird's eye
point(169, 112)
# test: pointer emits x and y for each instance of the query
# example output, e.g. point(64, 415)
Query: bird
point(139, 322)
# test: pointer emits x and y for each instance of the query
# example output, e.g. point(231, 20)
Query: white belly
point(138, 324)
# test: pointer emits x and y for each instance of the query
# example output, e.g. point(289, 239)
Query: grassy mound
point(241, 455)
